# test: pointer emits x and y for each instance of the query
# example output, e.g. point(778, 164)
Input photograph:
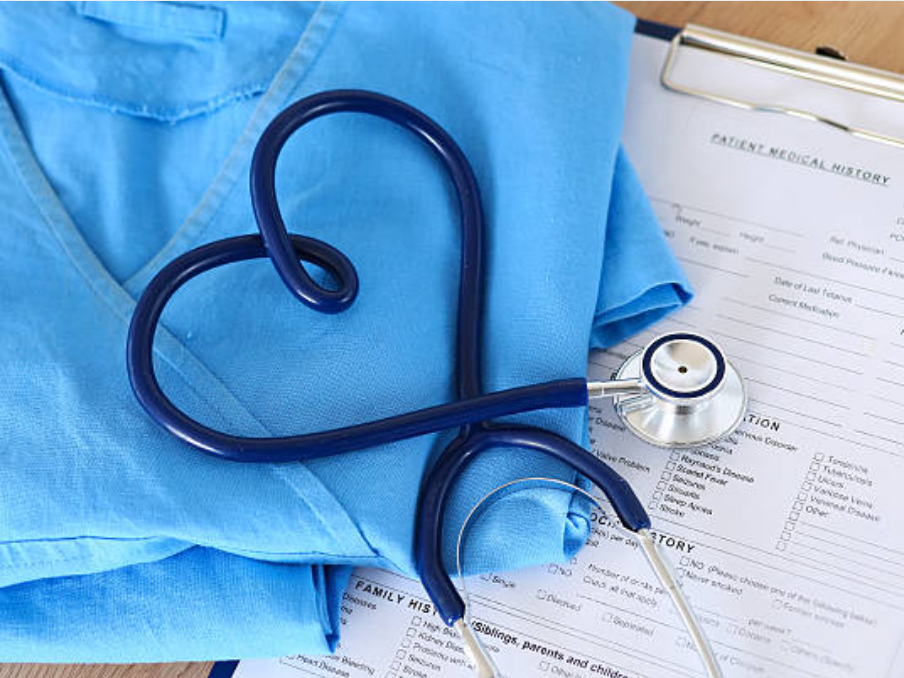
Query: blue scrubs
point(126, 132)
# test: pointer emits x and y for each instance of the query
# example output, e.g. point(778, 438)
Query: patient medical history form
point(789, 534)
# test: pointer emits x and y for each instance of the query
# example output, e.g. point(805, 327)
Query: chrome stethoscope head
point(678, 392)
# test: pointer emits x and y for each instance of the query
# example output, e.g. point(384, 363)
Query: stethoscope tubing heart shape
point(474, 411)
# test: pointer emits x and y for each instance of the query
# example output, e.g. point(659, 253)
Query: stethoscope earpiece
point(678, 392)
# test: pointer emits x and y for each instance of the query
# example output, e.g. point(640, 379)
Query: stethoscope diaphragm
point(691, 396)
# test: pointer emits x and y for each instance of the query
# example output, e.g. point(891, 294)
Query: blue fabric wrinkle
point(183, 556)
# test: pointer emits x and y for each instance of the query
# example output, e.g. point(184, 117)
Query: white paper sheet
point(790, 534)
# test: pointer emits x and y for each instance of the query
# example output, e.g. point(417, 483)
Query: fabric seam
point(166, 115)
point(12, 155)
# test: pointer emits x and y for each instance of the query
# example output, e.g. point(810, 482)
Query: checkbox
point(798, 506)
point(406, 642)
point(670, 466)
point(553, 569)
point(395, 666)
point(607, 617)
point(400, 654)
point(675, 456)
point(811, 476)
point(666, 475)
point(544, 666)
point(786, 536)
point(657, 496)
point(819, 456)
point(794, 515)
point(684, 560)
point(410, 632)
point(802, 496)
point(415, 621)
point(660, 485)
point(776, 603)
point(789, 525)
point(814, 466)
point(653, 505)
point(806, 487)
point(781, 546)
point(541, 594)
point(389, 674)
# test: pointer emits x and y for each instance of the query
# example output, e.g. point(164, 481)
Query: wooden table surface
point(868, 32)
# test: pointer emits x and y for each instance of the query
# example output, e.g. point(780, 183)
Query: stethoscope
point(680, 391)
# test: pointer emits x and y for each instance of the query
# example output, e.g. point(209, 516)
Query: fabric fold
point(183, 556)
point(270, 610)
point(640, 281)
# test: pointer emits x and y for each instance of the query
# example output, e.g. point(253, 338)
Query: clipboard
point(829, 70)
point(824, 69)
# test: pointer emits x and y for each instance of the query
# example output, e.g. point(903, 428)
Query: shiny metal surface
point(482, 661)
point(670, 583)
point(685, 365)
point(693, 405)
point(607, 389)
point(793, 62)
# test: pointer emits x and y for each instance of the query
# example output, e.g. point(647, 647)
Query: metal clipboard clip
point(827, 70)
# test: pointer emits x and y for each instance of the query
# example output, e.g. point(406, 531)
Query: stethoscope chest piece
point(678, 392)
point(692, 395)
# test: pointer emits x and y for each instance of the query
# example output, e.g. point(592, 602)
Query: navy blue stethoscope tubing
point(472, 413)
point(562, 393)
point(455, 459)
point(276, 237)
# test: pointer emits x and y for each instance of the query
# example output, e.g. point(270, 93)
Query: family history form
point(789, 534)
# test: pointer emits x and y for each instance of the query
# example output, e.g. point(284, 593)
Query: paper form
point(788, 535)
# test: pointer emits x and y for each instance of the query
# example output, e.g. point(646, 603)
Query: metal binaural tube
point(616, 387)
point(668, 580)
point(483, 664)
point(484, 667)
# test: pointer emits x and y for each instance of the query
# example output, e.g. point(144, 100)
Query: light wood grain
point(868, 32)
point(181, 670)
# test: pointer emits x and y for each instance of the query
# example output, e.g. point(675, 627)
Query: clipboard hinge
point(825, 69)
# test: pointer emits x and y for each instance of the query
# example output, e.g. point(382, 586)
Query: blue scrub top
point(126, 132)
